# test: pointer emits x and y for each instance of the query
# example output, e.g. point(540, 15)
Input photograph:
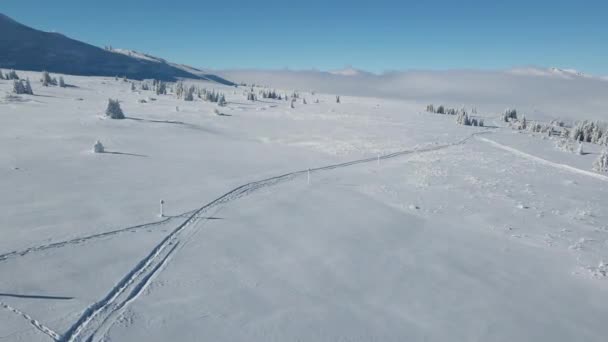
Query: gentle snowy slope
point(412, 227)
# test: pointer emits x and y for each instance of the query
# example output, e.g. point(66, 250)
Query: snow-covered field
point(454, 234)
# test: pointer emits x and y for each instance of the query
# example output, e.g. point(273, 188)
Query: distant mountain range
point(25, 48)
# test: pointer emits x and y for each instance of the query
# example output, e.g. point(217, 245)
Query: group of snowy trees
point(570, 140)
point(464, 119)
point(509, 115)
point(47, 80)
point(11, 75)
point(22, 87)
point(271, 94)
point(591, 132)
point(443, 110)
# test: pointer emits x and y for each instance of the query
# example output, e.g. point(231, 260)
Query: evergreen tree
point(28, 87)
point(62, 82)
point(12, 75)
point(222, 101)
point(601, 163)
point(18, 87)
point(189, 94)
point(46, 79)
point(161, 88)
point(113, 110)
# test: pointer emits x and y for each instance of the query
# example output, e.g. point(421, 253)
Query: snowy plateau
point(302, 219)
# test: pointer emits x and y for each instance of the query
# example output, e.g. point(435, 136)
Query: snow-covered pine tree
point(509, 114)
point(114, 111)
point(430, 108)
point(46, 79)
point(337, 99)
point(189, 94)
point(524, 123)
point(601, 163)
point(222, 101)
point(580, 149)
point(62, 83)
point(12, 75)
point(18, 87)
point(28, 87)
point(463, 119)
point(1, 75)
point(161, 88)
point(293, 101)
point(604, 139)
point(304, 101)
point(440, 110)
point(179, 90)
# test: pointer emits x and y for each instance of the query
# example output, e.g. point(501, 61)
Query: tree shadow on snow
point(125, 154)
point(157, 121)
point(171, 122)
point(13, 295)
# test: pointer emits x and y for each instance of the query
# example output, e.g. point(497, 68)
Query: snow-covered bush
point(565, 145)
point(1, 75)
point(337, 99)
point(304, 101)
point(293, 101)
point(601, 163)
point(251, 96)
point(114, 111)
point(98, 147)
point(580, 150)
point(61, 82)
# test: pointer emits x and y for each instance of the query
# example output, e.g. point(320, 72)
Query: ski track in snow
point(83, 239)
point(35, 323)
point(544, 161)
point(99, 316)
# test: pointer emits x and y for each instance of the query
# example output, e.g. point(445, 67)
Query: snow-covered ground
point(454, 234)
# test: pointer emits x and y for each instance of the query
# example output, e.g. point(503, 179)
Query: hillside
point(26, 48)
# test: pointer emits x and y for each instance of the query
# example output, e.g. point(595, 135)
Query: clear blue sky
point(303, 34)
